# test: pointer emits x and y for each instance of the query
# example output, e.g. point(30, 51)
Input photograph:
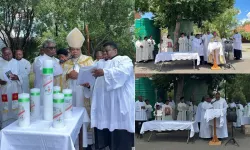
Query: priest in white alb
point(182, 110)
point(149, 110)
point(24, 67)
point(140, 114)
point(146, 50)
point(49, 48)
point(239, 112)
point(10, 86)
point(197, 46)
point(151, 43)
point(206, 39)
point(237, 45)
point(160, 47)
point(191, 111)
point(221, 125)
point(205, 128)
point(215, 50)
point(183, 47)
point(198, 112)
point(113, 106)
point(139, 50)
point(247, 110)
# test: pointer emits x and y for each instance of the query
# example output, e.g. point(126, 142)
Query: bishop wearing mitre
point(72, 66)
point(71, 69)
point(215, 50)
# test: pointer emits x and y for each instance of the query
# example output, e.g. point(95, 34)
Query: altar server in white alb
point(182, 110)
point(220, 103)
point(237, 45)
point(247, 110)
point(191, 111)
point(206, 38)
point(24, 67)
point(139, 50)
point(151, 43)
point(198, 112)
point(140, 114)
point(113, 106)
point(197, 46)
point(183, 47)
point(10, 81)
point(239, 112)
point(205, 128)
point(146, 50)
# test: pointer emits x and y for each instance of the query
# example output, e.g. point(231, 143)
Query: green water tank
point(145, 88)
point(196, 87)
point(145, 27)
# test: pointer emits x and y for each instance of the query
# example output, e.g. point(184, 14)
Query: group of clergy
point(109, 101)
point(145, 49)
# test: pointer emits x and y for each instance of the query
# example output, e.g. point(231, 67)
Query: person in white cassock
point(197, 46)
point(160, 47)
point(151, 43)
point(139, 50)
point(159, 102)
point(10, 86)
point(140, 114)
point(198, 112)
point(172, 104)
point(113, 106)
point(237, 45)
point(167, 111)
point(24, 67)
point(239, 112)
point(49, 48)
point(182, 110)
point(146, 50)
point(158, 113)
point(183, 43)
point(205, 128)
point(206, 38)
point(149, 110)
point(191, 111)
point(247, 110)
point(170, 44)
point(220, 103)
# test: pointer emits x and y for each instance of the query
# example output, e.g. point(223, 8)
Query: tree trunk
point(176, 32)
point(179, 89)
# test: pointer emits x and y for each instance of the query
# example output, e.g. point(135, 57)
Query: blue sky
point(242, 5)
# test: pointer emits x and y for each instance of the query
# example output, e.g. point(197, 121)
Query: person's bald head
point(18, 54)
point(7, 53)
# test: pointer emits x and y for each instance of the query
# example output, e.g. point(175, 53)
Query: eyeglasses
point(51, 48)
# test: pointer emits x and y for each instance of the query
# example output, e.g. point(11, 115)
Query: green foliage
point(166, 12)
point(223, 24)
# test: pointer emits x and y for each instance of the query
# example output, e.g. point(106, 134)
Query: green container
point(144, 87)
point(145, 27)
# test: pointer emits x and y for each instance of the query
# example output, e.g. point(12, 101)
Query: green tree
point(224, 23)
point(169, 13)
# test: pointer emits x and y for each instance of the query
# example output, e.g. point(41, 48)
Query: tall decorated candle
point(58, 110)
point(68, 103)
point(48, 90)
point(56, 89)
point(23, 110)
point(35, 103)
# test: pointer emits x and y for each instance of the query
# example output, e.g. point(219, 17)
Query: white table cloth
point(210, 114)
point(245, 120)
point(40, 135)
point(167, 56)
point(159, 126)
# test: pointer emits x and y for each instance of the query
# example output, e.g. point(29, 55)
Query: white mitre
point(75, 38)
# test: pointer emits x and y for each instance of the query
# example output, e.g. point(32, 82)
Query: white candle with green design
point(68, 103)
point(47, 86)
point(56, 89)
point(58, 110)
point(24, 110)
point(35, 103)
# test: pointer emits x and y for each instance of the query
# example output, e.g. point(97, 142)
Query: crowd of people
point(109, 101)
point(186, 110)
point(198, 43)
